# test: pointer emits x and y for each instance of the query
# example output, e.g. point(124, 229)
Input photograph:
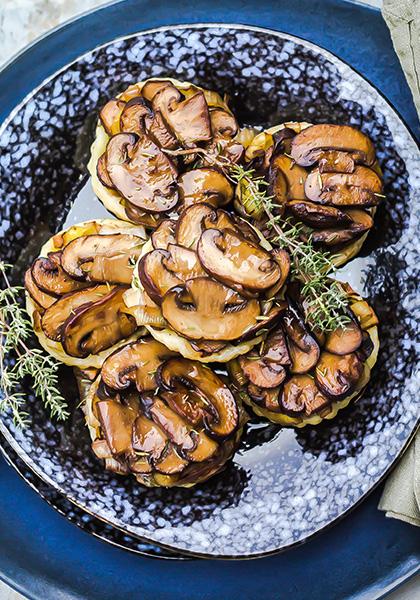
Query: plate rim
point(223, 25)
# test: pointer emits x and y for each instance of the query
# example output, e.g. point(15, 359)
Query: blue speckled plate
point(282, 486)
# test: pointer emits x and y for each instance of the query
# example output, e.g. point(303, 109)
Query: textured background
point(20, 22)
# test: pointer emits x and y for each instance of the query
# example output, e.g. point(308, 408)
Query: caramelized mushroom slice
point(176, 428)
point(102, 172)
point(135, 363)
point(190, 120)
point(160, 270)
point(97, 325)
point(54, 317)
point(302, 397)
point(132, 119)
point(262, 373)
point(159, 131)
point(190, 224)
point(265, 321)
point(43, 299)
point(49, 276)
point(164, 235)
point(269, 398)
point(152, 87)
point(317, 215)
point(228, 256)
point(110, 116)
point(337, 376)
point(362, 187)
point(337, 236)
point(117, 423)
point(287, 179)
point(303, 349)
point(141, 172)
point(108, 257)
point(170, 463)
point(339, 147)
point(205, 184)
point(203, 309)
point(148, 437)
point(204, 450)
point(223, 124)
point(282, 258)
point(221, 415)
point(205, 348)
point(344, 340)
point(275, 348)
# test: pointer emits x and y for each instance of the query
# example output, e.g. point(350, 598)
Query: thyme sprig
point(18, 360)
point(324, 298)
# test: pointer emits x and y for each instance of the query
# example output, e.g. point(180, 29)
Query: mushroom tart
point(75, 290)
point(300, 377)
point(166, 420)
point(324, 177)
point(208, 286)
point(134, 165)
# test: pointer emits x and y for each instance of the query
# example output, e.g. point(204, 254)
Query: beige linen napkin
point(401, 495)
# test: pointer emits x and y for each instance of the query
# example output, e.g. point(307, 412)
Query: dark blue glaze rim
point(106, 7)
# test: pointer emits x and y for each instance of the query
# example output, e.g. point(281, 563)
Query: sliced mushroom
point(135, 363)
point(301, 396)
point(337, 376)
point(262, 373)
point(136, 215)
point(152, 87)
point(98, 325)
point(176, 428)
point(43, 299)
point(336, 236)
point(223, 124)
point(362, 187)
point(54, 317)
point(141, 172)
point(338, 147)
point(228, 256)
point(204, 450)
point(275, 348)
point(133, 116)
point(287, 179)
point(190, 224)
point(102, 172)
point(117, 423)
point(269, 398)
point(282, 258)
point(159, 131)
point(164, 235)
point(170, 463)
point(49, 276)
point(110, 116)
point(160, 270)
point(264, 321)
point(148, 437)
point(317, 215)
point(205, 184)
point(221, 415)
point(108, 257)
point(190, 120)
point(203, 309)
point(366, 348)
point(344, 340)
point(303, 349)
point(206, 348)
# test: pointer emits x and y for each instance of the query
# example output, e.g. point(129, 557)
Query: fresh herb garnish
point(18, 360)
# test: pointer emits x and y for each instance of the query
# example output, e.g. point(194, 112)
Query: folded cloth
point(401, 495)
point(403, 20)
